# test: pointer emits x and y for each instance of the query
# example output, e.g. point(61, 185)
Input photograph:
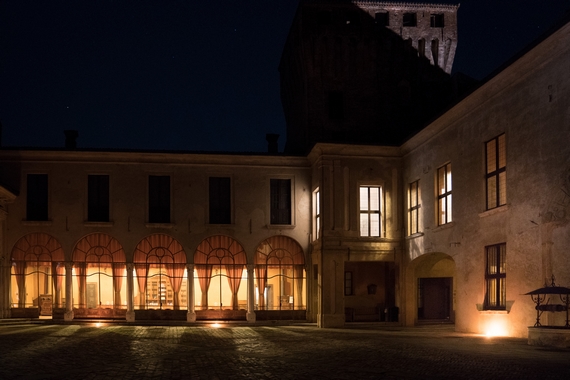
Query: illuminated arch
point(92, 256)
point(37, 247)
point(31, 257)
point(98, 248)
point(228, 255)
point(159, 255)
point(280, 257)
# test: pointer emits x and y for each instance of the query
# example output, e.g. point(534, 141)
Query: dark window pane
point(280, 201)
point(436, 21)
point(98, 198)
point(37, 197)
point(220, 200)
point(159, 199)
point(382, 19)
point(410, 19)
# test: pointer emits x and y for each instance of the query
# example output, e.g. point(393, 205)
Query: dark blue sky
point(186, 75)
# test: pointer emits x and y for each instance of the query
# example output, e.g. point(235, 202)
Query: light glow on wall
point(496, 326)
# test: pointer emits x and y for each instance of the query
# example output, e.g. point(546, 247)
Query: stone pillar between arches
point(68, 316)
point(250, 316)
point(130, 293)
point(191, 315)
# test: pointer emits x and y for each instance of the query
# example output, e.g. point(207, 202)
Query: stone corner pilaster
point(68, 316)
point(191, 316)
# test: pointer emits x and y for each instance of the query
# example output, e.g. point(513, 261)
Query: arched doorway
point(432, 284)
point(37, 273)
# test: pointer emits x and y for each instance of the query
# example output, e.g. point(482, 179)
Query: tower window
point(410, 19)
point(436, 21)
point(382, 18)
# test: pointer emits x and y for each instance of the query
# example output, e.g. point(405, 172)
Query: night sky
point(187, 75)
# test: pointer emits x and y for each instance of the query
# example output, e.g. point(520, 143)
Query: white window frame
point(370, 207)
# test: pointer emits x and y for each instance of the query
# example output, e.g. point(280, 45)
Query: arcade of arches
point(102, 282)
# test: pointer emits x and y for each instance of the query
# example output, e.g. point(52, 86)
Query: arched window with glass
point(220, 274)
point(37, 273)
point(280, 274)
point(160, 270)
point(99, 269)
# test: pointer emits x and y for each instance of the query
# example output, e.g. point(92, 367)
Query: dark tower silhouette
point(365, 71)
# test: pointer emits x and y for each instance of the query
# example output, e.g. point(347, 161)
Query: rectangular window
point(280, 201)
point(444, 194)
point(317, 207)
point(414, 208)
point(495, 277)
point(37, 197)
point(382, 18)
point(98, 198)
point(159, 199)
point(410, 19)
point(220, 200)
point(347, 283)
point(370, 215)
point(436, 21)
point(496, 172)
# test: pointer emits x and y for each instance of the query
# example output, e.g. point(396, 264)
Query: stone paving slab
point(111, 351)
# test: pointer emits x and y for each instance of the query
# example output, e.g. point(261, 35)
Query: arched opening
point(280, 275)
point(220, 274)
point(160, 269)
point(37, 276)
point(433, 286)
point(99, 271)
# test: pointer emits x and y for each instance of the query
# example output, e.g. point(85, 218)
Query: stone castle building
point(389, 206)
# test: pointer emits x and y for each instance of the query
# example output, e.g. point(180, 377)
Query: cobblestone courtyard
point(84, 351)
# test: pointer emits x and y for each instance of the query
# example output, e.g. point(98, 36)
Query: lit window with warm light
point(496, 172)
point(444, 194)
point(370, 211)
point(495, 277)
point(317, 214)
point(413, 208)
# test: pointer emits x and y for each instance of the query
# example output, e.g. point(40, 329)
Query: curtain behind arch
point(224, 251)
point(164, 251)
point(99, 250)
point(37, 248)
point(281, 251)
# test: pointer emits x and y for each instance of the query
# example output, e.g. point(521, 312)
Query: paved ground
point(44, 351)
